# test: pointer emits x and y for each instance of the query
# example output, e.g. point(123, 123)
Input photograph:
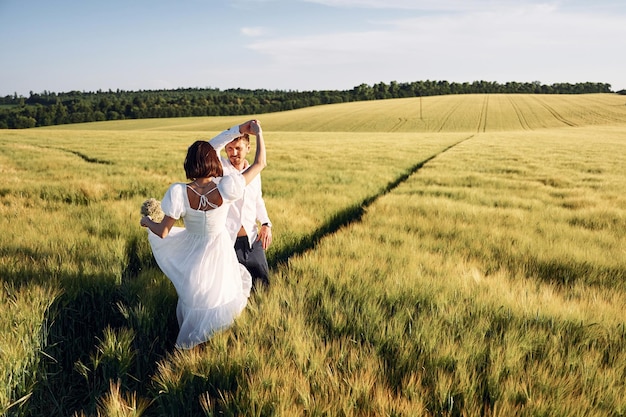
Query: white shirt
point(251, 207)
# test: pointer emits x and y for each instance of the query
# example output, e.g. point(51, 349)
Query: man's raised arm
point(219, 141)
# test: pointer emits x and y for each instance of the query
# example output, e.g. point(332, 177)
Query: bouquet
point(152, 208)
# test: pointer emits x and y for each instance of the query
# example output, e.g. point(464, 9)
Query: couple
point(212, 285)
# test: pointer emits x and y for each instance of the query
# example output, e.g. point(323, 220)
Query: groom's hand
point(265, 236)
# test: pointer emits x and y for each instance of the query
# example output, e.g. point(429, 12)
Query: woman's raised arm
point(260, 158)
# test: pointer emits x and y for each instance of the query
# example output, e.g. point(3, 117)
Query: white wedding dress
point(199, 259)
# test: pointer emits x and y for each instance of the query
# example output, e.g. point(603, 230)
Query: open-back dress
point(199, 259)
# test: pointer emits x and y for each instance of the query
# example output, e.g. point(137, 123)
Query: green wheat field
point(437, 256)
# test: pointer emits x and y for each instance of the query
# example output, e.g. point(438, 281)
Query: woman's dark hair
point(202, 161)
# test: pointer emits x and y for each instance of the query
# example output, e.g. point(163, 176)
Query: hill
point(49, 108)
point(451, 113)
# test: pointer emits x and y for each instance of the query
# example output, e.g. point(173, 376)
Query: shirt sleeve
point(173, 203)
point(219, 141)
point(231, 186)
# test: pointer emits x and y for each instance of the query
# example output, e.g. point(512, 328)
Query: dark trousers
point(253, 259)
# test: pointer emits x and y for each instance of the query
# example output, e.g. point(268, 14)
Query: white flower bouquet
point(152, 208)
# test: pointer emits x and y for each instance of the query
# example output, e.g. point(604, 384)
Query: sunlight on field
point(460, 113)
point(463, 258)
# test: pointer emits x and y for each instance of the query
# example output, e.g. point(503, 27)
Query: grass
point(467, 263)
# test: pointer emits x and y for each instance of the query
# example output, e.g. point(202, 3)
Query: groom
point(244, 215)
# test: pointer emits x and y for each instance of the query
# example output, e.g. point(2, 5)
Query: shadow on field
point(99, 329)
point(347, 216)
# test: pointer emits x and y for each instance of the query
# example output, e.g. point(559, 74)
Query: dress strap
point(204, 201)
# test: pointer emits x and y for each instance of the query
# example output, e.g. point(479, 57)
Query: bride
point(199, 259)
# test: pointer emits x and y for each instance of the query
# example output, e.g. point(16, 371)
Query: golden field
point(443, 256)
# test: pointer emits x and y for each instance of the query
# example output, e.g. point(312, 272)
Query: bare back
point(204, 199)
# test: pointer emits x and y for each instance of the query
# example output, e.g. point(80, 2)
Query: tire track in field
point(349, 215)
point(401, 122)
point(556, 114)
point(482, 119)
point(81, 155)
point(447, 116)
point(520, 115)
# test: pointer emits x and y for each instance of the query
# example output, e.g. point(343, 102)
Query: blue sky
point(64, 45)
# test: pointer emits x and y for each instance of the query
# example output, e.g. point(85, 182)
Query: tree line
point(49, 108)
